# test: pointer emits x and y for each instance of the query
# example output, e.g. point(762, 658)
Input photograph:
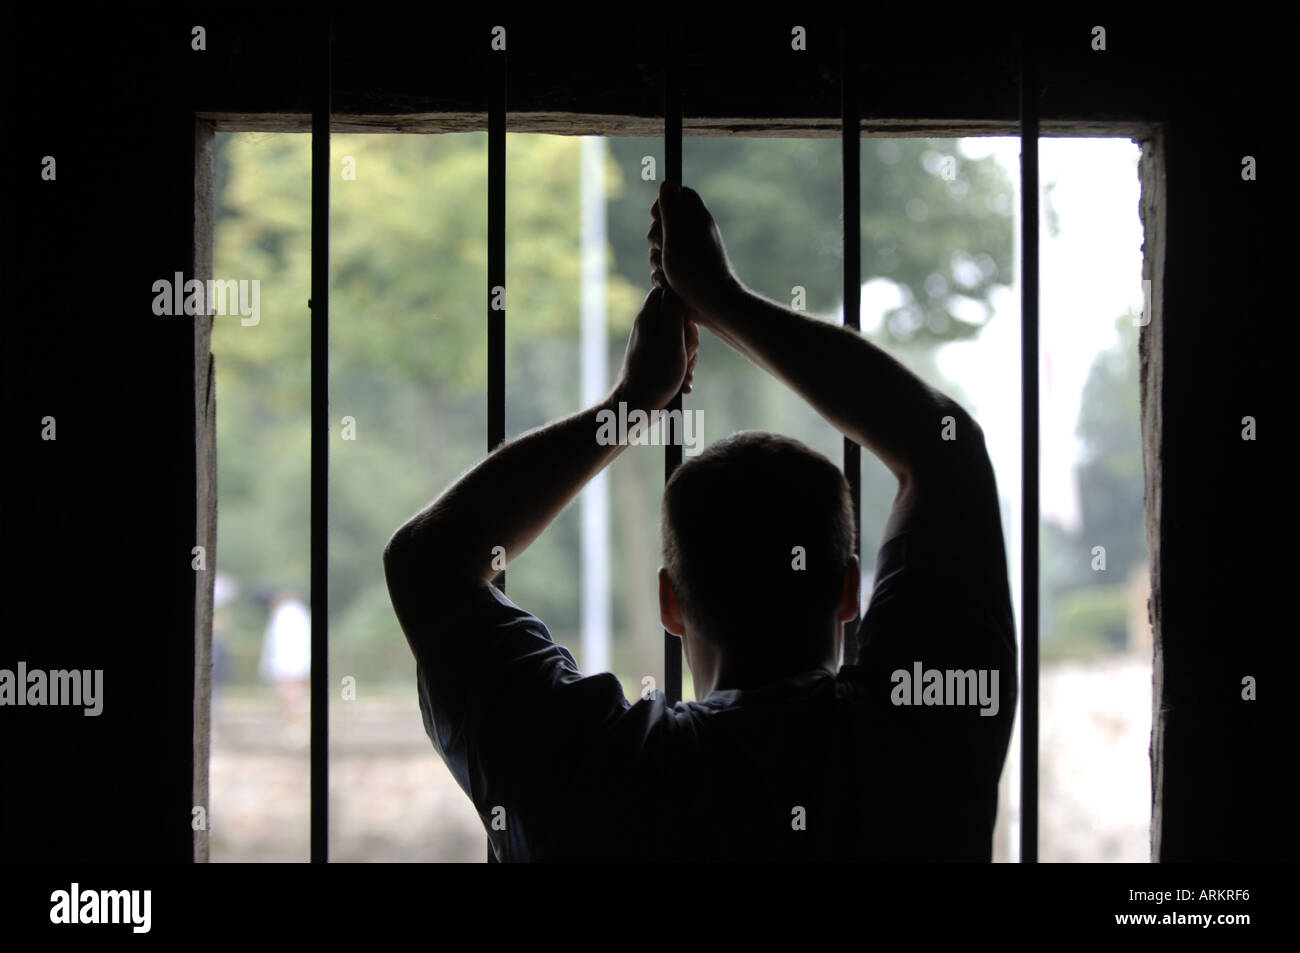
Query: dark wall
point(1226, 505)
point(98, 524)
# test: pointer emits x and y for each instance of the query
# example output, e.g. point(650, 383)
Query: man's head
point(760, 570)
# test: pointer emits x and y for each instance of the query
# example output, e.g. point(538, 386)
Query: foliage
point(1082, 612)
point(1111, 484)
point(1090, 622)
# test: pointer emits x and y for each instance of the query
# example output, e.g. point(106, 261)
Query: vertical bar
point(594, 534)
point(497, 259)
point(320, 428)
point(497, 272)
point(850, 173)
point(1029, 452)
point(672, 440)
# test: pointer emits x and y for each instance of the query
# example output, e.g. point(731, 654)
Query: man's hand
point(661, 353)
point(687, 254)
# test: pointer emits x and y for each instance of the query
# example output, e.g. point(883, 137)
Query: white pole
point(594, 564)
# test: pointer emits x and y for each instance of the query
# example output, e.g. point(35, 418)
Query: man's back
point(802, 771)
point(894, 758)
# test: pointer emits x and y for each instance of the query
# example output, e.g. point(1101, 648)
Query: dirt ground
point(391, 798)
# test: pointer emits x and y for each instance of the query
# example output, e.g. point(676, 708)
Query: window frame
point(497, 121)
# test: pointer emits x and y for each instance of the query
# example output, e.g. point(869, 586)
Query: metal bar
point(1029, 452)
point(850, 173)
point(594, 537)
point(497, 262)
point(496, 423)
point(320, 430)
point(672, 441)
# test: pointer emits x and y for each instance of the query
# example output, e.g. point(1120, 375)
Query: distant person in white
point(286, 655)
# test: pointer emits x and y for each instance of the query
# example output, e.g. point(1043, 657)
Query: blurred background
point(408, 413)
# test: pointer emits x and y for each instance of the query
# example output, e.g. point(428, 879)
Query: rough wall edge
point(1151, 351)
point(205, 465)
point(587, 124)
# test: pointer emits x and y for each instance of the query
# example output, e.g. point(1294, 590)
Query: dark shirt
point(816, 766)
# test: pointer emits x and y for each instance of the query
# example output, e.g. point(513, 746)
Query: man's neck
point(749, 678)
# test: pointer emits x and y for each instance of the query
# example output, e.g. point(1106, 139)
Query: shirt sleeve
point(941, 607)
point(960, 590)
point(509, 712)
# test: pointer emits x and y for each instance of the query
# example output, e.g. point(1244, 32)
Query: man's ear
point(849, 596)
point(670, 612)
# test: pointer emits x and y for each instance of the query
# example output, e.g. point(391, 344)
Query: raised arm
point(863, 392)
point(517, 490)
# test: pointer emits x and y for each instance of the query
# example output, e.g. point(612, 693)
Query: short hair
point(730, 522)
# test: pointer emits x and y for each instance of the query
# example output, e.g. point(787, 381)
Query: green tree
point(1085, 610)
point(1110, 476)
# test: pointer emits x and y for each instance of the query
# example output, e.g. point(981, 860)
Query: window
point(505, 415)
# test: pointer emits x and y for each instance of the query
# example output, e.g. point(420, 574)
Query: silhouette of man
point(786, 754)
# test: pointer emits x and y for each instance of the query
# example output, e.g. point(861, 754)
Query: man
point(286, 661)
point(786, 754)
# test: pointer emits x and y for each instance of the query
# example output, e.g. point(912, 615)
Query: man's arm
point(863, 392)
point(517, 490)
